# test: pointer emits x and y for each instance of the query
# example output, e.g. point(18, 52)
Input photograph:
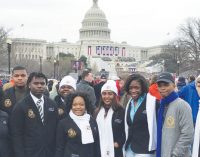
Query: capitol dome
point(94, 25)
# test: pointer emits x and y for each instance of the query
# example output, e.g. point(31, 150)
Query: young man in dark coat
point(97, 88)
point(17, 92)
point(85, 87)
point(34, 121)
point(14, 94)
point(66, 87)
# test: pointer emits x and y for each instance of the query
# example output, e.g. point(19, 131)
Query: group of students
point(33, 125)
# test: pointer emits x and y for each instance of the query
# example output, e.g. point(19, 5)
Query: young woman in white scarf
point(140, 119)
point(110, 119)
point(77, 134)
point(196, 142)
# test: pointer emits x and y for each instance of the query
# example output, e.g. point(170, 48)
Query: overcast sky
point(139, 22)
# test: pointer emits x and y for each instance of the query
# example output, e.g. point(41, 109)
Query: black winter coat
point(118, 129)
point(68, 140)
point(4, 135)
point(32, 137)
point(138, 133)
point(9, 100)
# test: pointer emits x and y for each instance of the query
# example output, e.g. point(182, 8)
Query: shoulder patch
point(60, 111)
point(7, 103)
point(71, 133)
point(31, 114)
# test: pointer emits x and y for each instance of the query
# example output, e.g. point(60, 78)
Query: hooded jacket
point(189, 94)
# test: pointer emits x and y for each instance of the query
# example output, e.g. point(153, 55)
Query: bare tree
point(3, 37)
point(190, 39)
point(60, 67)
point(3, 47)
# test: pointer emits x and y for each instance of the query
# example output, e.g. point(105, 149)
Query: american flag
point(123, 51)
point(107, 50)
point(104, 50)
point(116, 51)
point(89, 50)
point(98, 50)
point(111, 51)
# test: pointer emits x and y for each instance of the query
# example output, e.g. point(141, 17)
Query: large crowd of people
point(129, 117)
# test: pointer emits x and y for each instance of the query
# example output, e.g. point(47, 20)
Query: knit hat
point(68, 80)
point(110, 85)
point(181, 80)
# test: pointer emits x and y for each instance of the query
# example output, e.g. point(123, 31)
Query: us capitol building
point(94, 43)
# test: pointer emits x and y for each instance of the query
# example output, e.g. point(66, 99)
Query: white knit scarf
point(195, 151)
point(106, 132)
point(83, 123)
point(197, 88)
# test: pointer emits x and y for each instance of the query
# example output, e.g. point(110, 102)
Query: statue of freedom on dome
point(95, 1)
